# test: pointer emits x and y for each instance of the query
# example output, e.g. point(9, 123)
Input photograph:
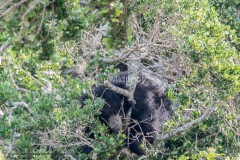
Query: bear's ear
point(122, 67)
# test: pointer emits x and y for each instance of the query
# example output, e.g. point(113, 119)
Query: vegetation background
point(54, 50)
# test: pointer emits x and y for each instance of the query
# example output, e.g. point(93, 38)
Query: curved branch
point(186, 126)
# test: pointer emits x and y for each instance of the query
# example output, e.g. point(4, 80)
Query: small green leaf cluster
point(229, 14)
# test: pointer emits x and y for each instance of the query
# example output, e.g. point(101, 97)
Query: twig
point(4, 47)
point(41, 22)
point(12, 7)
point(117, 59)
point(117, 154)
point(30, 8)
point(15, 105)
point(23, 104)
point(5, 4)
point(186, 126)
point(13, 81)
point(70, 157)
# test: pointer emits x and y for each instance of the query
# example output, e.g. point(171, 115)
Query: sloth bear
point(150, 110)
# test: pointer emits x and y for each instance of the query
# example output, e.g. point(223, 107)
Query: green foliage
point(48, 111)
point(229, 14)
point(2, 156)
point(33, 25)
point(214, 60)
point(210, 43)
point(52, 124)
point(116, 14)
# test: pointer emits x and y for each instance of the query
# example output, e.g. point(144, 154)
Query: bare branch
point(4, 47)
point(70, 157)
point(16, 105)
point(4, 4)
point(118, 90)
point(41, 22)
point(133, 73)
point(30, 8)
point(13, 81)
point(116, 155)
point(117, 59)
point(23, 104)
point(185, 127)
point(2, 59)
point(13, 7)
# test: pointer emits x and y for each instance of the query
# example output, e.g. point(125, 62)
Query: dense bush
point(195, 42)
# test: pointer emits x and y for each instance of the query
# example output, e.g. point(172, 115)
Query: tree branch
point(4, 47)
point(13, 6)
point(118, 90)
point(13, 81)
point(30, 8)
point(186, 126)
point(17, 104)
point(118, 58)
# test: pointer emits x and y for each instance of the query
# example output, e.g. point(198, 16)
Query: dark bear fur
point(151, 110)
